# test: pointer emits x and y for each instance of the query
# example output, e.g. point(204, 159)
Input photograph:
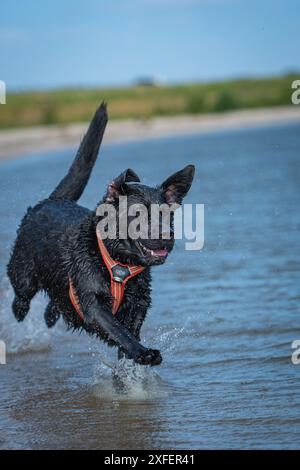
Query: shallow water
point(224, 317)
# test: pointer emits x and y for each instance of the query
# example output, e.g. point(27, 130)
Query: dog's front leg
point(135, 327)
point(98, 319)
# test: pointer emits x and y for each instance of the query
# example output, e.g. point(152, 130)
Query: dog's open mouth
point(162, 252)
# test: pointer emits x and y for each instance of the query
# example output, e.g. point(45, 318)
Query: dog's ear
point(176, 187)
point(118, 186)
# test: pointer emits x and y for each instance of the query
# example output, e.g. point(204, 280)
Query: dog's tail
point(72, 185)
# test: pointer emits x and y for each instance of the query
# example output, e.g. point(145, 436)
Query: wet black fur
point(57, 240)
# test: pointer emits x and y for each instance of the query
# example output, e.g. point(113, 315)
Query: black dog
point(57, 250)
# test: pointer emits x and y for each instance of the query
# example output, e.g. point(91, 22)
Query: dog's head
point(149, 236)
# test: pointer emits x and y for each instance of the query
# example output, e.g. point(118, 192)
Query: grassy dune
point(142, 102)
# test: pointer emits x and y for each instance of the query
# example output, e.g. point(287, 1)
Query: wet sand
point(19, 142)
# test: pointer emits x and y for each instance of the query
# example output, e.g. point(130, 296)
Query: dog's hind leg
point(21, 302)
point(51, 314)
point(23, 278)
point(20, 307)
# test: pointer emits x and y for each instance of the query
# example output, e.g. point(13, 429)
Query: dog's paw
point(20, 308)
point(51, 315)
point(150, 357)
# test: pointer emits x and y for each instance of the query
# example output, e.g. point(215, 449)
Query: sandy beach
point(19, 142)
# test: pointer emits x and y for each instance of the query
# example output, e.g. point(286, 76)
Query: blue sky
point(59, 43)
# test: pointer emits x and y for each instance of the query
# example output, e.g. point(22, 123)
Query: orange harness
point(119, 275)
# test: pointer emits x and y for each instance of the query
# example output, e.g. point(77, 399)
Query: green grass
point(70, 105)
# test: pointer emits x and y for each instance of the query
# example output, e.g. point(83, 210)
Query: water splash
point(27, 336)
point(166, 338)
point(124, 380)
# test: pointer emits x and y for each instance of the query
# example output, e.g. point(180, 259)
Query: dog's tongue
point(163, 252)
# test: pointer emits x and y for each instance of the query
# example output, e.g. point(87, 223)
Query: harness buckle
point(120, 273)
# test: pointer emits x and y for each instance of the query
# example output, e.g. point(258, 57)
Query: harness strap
point(119, 275)
point(74, 299)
